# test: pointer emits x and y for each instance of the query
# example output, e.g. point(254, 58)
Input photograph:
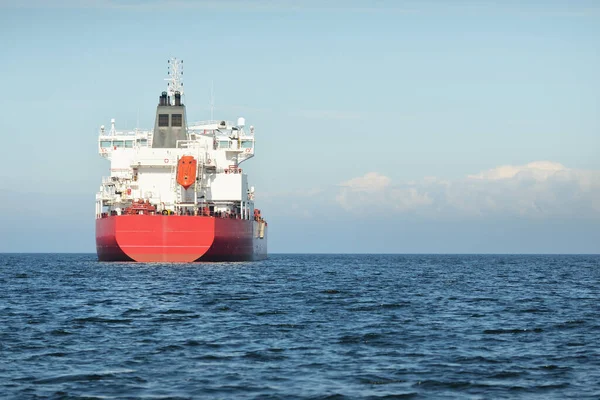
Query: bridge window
point(247, 144)
point(223, 144)
point(163, 119)
point(118, 143)
point(128, 144)
point(176, 120)
point(105, 144)
point(143, 142)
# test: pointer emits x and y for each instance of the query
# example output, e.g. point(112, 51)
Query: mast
point(170, 124)
point(175, 79)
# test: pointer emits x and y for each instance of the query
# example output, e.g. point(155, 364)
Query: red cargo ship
point(177, 193)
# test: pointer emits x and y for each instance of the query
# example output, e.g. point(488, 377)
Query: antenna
point(175, 80)
point(212, 100)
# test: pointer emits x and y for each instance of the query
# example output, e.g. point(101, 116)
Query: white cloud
point(539, 170)
point(538, 189)
point(368, 183)
point(375, 190)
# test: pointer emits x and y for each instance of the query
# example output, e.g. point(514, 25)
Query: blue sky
point(383, 126)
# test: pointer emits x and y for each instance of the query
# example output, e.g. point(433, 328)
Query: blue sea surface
point(301, 326)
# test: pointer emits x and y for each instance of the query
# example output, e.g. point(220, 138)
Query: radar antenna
point(175, 80)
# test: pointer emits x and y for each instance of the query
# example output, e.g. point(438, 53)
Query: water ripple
point(301, 327)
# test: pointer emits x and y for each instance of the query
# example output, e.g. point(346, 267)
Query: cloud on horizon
point(538, 189)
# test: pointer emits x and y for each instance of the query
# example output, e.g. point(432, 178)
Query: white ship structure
point(177, 193)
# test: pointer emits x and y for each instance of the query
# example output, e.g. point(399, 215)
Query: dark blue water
point(301, 326)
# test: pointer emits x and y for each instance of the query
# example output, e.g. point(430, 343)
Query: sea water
point(301, 326)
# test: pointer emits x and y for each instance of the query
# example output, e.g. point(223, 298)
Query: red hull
point(178, 238)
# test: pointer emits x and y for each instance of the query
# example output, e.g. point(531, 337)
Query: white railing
point(210, 126)
point(191, 144)
point(135, 132)
point(210, 123)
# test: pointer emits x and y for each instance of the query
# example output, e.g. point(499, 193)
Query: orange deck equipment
point(186, 171)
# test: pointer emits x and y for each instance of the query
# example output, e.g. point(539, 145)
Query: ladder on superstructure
point(174, 185)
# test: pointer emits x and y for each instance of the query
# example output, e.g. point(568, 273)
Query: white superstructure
point(145, 171)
